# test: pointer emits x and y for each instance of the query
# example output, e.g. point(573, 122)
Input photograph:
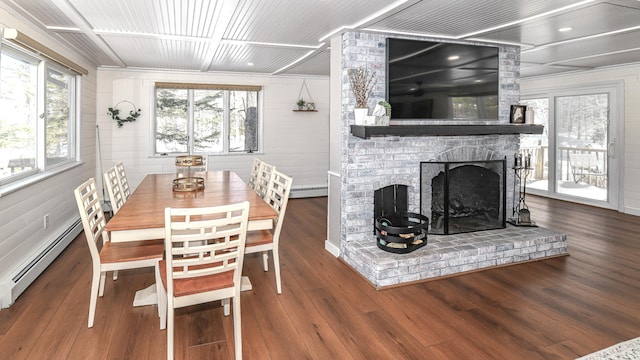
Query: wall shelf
point(305, 110)
point(366, 132)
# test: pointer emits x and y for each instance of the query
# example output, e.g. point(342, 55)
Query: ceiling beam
point(73, 14)
point(224, 14)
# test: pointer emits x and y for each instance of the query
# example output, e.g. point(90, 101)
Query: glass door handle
point(611, 148)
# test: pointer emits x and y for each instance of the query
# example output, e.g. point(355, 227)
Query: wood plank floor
point(560, 308)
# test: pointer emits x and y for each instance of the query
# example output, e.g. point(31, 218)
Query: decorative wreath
point(115, 112)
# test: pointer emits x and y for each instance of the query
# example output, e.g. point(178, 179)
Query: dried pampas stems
point(362, 83)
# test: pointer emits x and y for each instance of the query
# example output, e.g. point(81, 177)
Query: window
point(206, 119)
point(37, 122)
point(59, 126)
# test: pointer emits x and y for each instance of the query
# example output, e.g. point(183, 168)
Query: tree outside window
point(34, 139)
point(18, 99)
point(206, 120)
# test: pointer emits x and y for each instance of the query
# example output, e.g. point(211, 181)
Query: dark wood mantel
point(366, 132)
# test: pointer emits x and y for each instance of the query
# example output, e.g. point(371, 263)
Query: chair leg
point(265, 260)
point(225, 306)
point(276, 266)
point(103, 278)
point(237, 327)
point(162, 299)
point(95, 285)
point(170, 328)
point(115, 275)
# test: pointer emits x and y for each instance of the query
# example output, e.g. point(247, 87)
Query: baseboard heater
point(20, 280)
point(308, 191)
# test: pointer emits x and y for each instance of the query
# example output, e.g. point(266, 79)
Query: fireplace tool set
point(522, 169)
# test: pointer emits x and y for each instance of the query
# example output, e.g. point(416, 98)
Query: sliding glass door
point(582, 138)
point(574, 158)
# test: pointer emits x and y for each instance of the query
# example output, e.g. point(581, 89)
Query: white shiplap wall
point(22, 233)
point(630, 76)
point(297, 143)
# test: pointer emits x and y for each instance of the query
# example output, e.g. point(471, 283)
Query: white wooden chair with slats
point(112, 183)
point(116, 198)
point(111, 256)
point(264, 177)
point(263, 241)
point(203, 262)
point(124, 182)
point(255, 171)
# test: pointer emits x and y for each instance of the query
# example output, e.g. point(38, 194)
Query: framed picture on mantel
point(518, 113)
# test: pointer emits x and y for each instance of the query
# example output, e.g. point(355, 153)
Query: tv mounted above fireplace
point(442, 81)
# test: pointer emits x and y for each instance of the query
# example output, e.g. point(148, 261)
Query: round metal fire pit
point(402, 232)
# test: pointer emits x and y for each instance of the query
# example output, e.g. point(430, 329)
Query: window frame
point(615, 135)
point(42, 170)
point(225, 136)
point(72, 123)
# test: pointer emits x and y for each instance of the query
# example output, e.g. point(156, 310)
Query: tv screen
point(434, 80)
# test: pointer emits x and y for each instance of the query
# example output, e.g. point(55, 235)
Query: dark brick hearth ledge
point(366, 132)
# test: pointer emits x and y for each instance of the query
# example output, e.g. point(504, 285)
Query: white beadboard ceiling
point(292, 36)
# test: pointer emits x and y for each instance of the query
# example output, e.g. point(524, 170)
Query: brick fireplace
point(379, 162)
point(369, 163)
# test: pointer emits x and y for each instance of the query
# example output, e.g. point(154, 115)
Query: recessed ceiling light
point(565, 29)
point(250, 63)
point(453, 57)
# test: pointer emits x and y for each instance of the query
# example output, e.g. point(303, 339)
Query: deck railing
point(589, 165)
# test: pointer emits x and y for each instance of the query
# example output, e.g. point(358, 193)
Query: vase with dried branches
point(362, 83)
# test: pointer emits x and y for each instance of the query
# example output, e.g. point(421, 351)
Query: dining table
point(142, 215)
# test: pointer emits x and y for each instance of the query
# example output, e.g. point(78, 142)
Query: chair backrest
point(124, 183)
point(205, 241)
point(255, 171)
point(113, 189)
point(264, 178)
point(277, 197)
point(92, 215)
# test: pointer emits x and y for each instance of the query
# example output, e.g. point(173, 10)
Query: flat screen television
point(443, 81)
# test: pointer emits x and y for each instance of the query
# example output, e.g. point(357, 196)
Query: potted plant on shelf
point(386, 106)
point(362, 83)
point(382, 113)
point(301, 104)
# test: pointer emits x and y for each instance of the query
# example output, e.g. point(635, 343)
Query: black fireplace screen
point(464, 196)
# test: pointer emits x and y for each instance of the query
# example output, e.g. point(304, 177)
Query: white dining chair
point(203, 262)
point(109, 256)
point(264, 177)
point(263, 241)
point(124, 182)
point(112, 183)
point(116, 198)
point(255, 171)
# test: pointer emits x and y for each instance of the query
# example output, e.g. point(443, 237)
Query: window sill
point(26, 182)
point(173, 155)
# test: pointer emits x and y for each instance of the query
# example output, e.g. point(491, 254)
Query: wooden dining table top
point(145, 208)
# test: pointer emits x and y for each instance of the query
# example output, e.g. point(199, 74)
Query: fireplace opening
point(464, 196)
point(397, 230)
